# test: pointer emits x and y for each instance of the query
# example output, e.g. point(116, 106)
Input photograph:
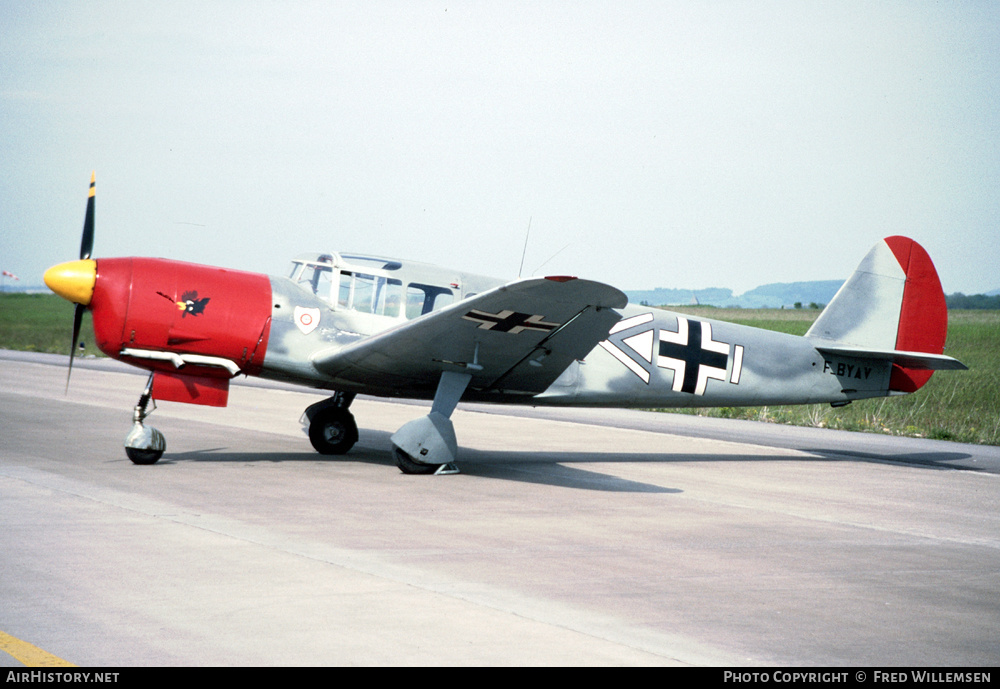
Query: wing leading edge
point(516, 338)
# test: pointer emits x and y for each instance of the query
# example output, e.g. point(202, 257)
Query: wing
point(516, 338)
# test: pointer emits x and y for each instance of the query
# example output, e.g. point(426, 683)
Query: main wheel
point(408, 465)
point(333, 431)
point(143, 456)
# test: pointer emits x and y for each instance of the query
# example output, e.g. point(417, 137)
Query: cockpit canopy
point(383, 286)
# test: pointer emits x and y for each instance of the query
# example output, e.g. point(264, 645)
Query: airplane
point(357, 324)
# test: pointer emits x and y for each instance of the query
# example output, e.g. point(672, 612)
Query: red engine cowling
point(195, 326)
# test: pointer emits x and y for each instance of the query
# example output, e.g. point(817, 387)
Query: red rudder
point(923, 317)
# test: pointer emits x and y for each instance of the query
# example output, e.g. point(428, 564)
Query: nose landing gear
point(144, 445)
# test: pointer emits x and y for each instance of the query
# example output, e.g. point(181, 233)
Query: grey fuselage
point(650, 358)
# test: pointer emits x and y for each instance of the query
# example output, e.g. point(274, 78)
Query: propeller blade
point(77, 321)
point(87, 243)
point(86, 248)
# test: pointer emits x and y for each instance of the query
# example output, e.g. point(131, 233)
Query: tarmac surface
point(571, 537)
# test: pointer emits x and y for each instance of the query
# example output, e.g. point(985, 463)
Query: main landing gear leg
point(144, 445)
point(332, 429)
point(427, 445)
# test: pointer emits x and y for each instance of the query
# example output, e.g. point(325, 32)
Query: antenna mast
point(524, 251)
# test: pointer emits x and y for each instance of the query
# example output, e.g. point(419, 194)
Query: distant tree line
point(972, 301)
point(954, 301)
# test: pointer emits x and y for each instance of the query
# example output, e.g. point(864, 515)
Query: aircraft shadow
point(226, 454)
point(939, 460)
point(544, 470)
point(552, 468)
point(554, 472)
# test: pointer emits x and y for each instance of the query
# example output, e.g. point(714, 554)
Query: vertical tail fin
point(894, 301)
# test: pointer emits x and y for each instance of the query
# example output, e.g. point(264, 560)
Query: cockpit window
point(421, 299)
point(363, 285)
point(370, 294)
point(316, 279)
point(315, 276)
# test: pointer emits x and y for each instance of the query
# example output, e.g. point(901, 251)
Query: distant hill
point(773, 296)
point(778, 294)
point(662, 296)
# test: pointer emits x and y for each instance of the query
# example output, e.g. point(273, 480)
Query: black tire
point(333, 431)
point(408, 465)
point(143, 457)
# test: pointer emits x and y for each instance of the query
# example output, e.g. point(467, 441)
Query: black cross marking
point(509, 321)
point(693, 355)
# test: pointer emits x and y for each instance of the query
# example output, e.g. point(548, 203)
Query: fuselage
point(652, 357)
point(200, 326)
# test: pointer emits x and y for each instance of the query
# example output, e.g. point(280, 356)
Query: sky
point(645, 144)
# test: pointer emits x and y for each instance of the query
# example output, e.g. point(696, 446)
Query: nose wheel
point(144, 444)
point(144, 456)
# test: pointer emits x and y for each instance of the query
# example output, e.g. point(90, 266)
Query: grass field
point(955, 405)
point(41, 323)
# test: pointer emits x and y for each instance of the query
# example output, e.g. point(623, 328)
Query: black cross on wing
point(508, 321)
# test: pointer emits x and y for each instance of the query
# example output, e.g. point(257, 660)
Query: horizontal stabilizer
point(918, 361)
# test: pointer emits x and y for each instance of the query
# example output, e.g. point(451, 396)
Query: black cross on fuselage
point(694, 355)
